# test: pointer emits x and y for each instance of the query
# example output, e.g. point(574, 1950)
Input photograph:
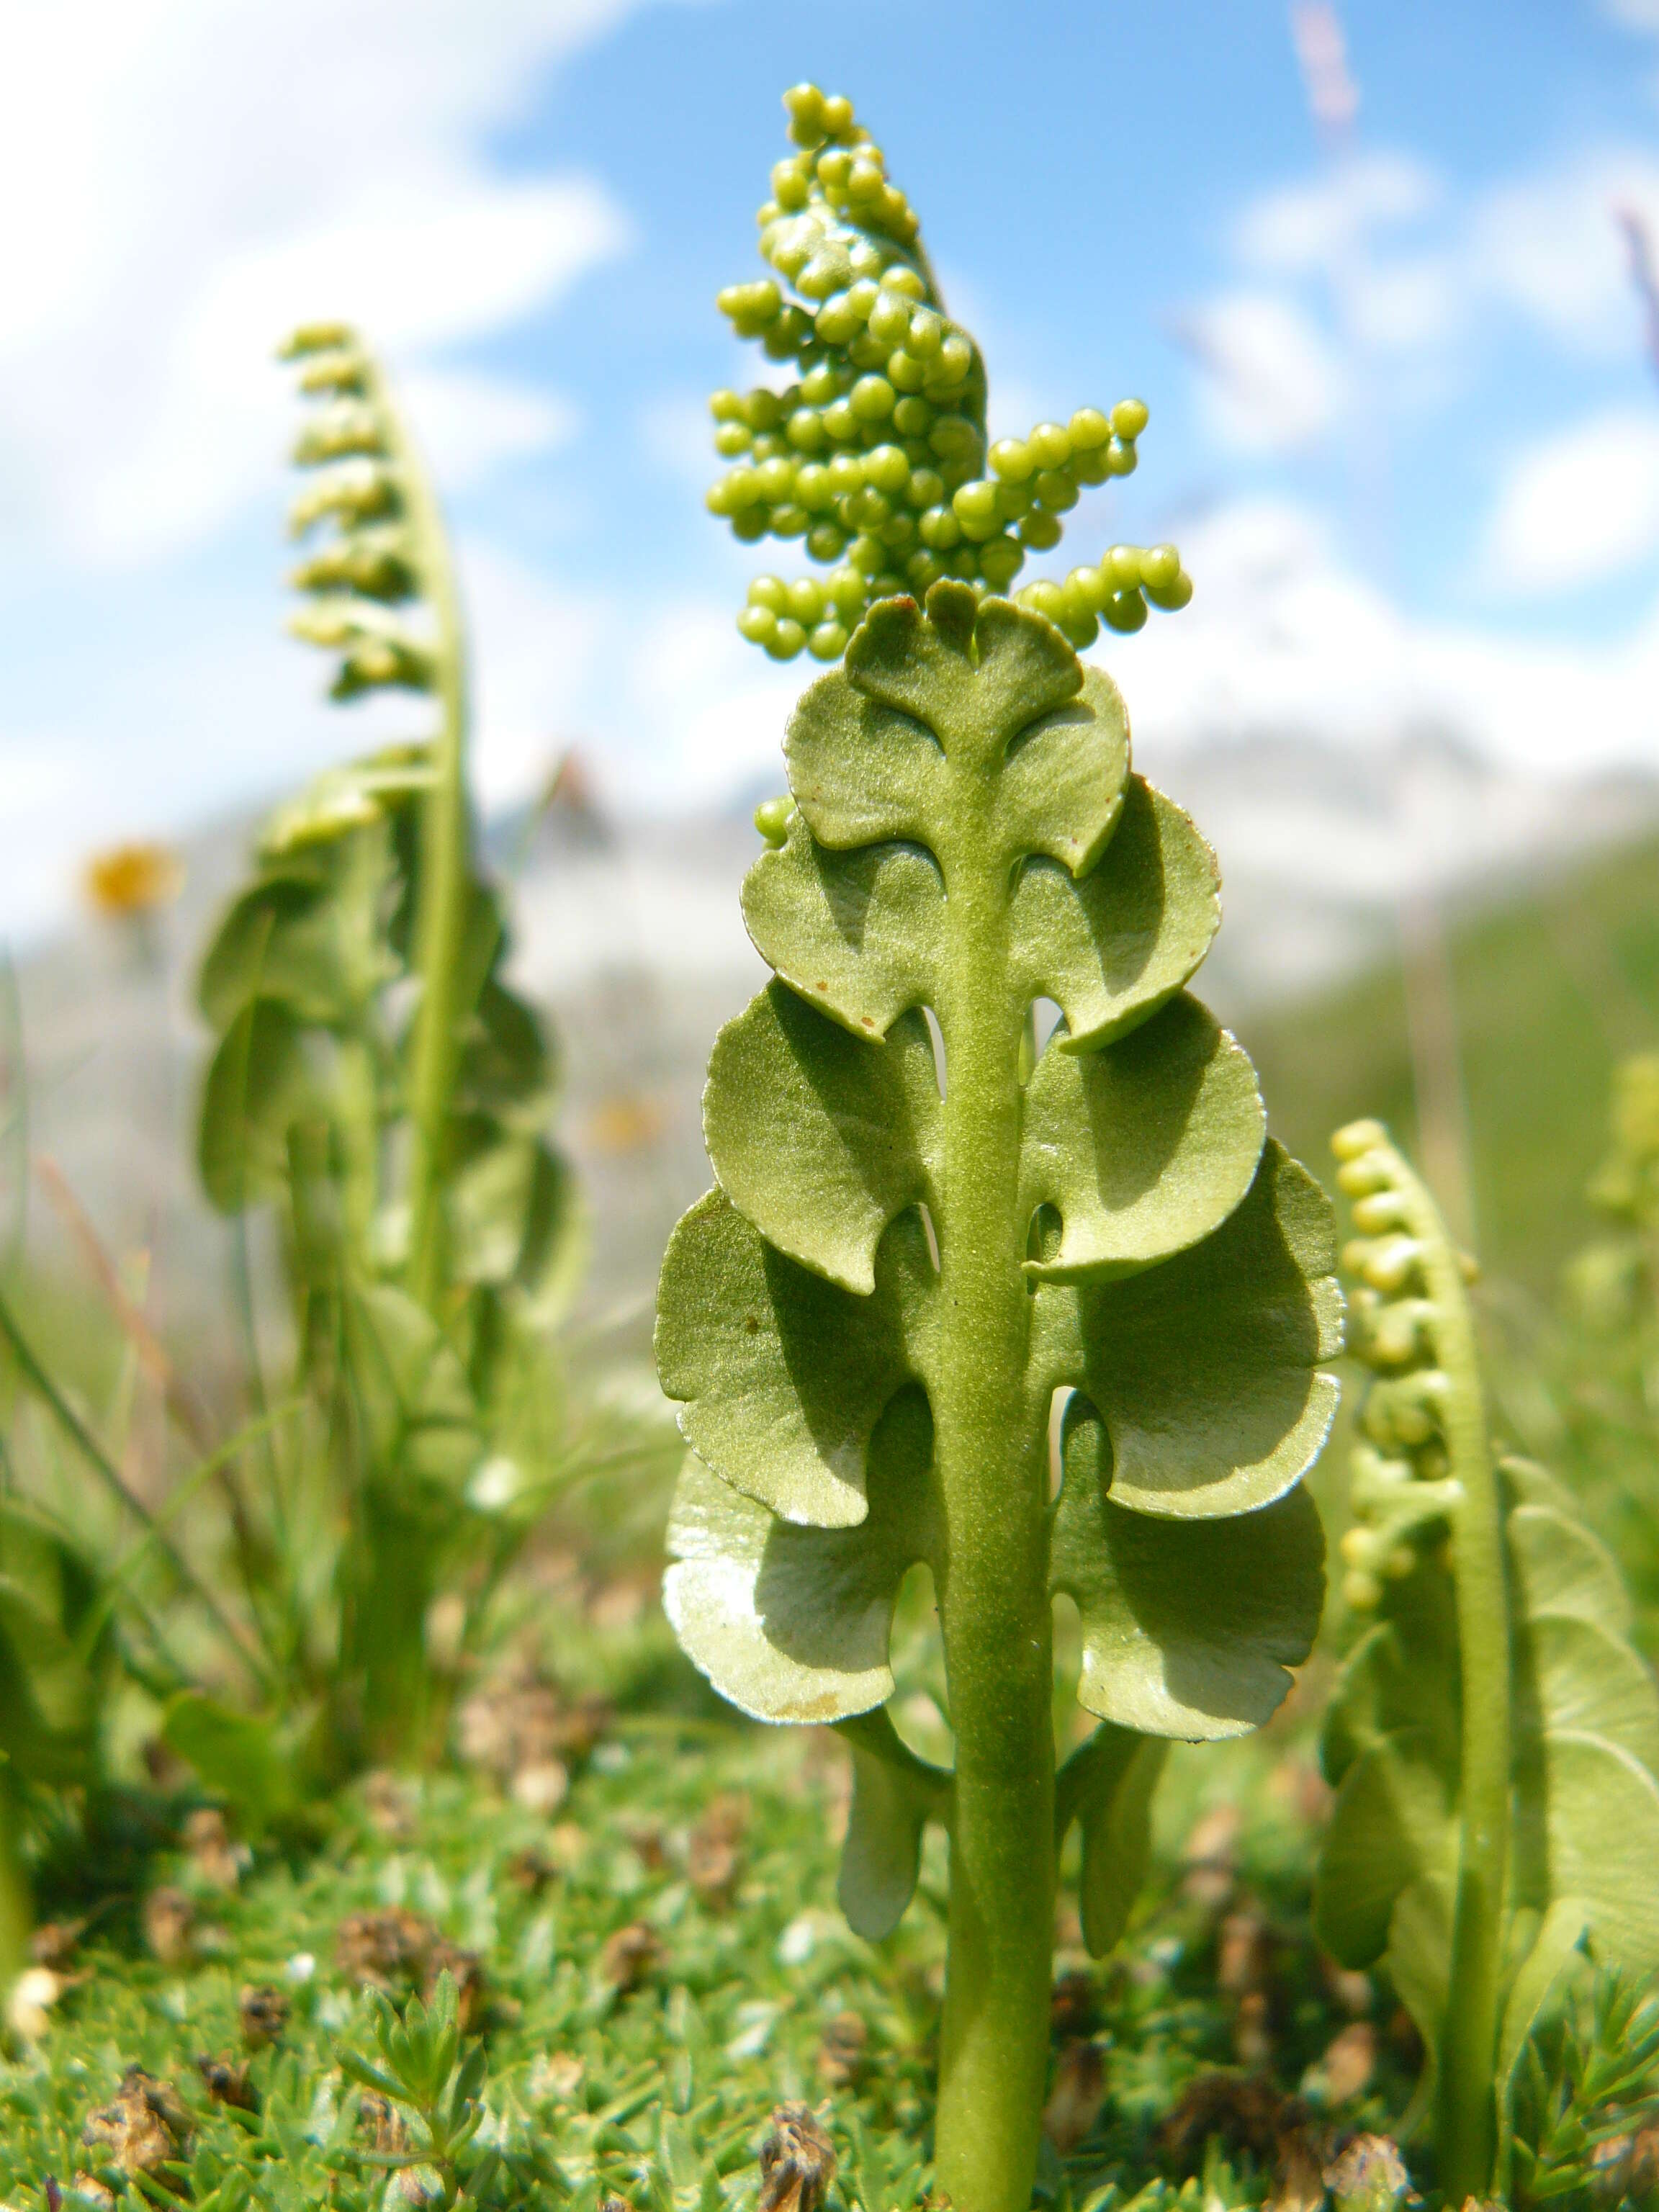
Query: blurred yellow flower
point(128, 881)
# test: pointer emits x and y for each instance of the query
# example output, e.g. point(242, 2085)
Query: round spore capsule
point(1129, 418)
point(940, 530)
point(1120, 457)
point(1049, 446)
point(890, 319)
point(825, 541)
point(1171, 597)
point(757, 624)
point(975, 505)
point(847, 590)
point(1159, 566)
point(786, 639)
point(1122, 567)
point(1011, 459)
point(772, 819)
point(1039, 530)
point(887, 469)
point(731, 439)
point(805, 597)
point(1087, 430)
point(828, 641)
point(872, 399)
point(1126, 612)
point(1000, 559)
point(1056, 489)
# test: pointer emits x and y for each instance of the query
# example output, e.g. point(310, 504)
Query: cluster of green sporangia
point(1399, 1483)
point(964, 808)
point(877, 457)
point(1494, 1740)
point(375, 559)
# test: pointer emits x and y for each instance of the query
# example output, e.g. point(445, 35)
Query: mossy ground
point(747, 1988)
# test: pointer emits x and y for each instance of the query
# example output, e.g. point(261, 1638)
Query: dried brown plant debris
point(217, 1861)
point(841, 2048)
point(145, 2124)
point(263, 2012)
point(630, 1956)
point(560, 2074)
point(713, 1859)
point(1238, 2110)
point(1369, 2174)
point(54, 1941)
point(1344, 2071)
point(1077, 2096)
point(1246, 1952)
point(645, 1840)
point(523, 1730)
point(169, 1925)
point(1073, 2007)
point(390, 1804)
point(1210, 1855)
point(796, 2161)
point(226, 2081)
point(1253, 2037)
point(386, 2127)
point(530, 1869)
point(383, 1950)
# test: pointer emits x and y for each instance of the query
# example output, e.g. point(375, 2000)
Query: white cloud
point(187, 177)
point(1583, 506)
point(1273, 381)
point(1282, 636)
point(1316, 224)
point(1549, 245)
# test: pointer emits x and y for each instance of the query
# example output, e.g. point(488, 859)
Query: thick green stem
point(441, 910)
point(1465, 2115)
point(994, 1606)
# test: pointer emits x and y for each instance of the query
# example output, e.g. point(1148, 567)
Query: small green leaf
point(1559, 1934)
point(1392, 1824)
point(1571, 1674)
point(857, 935)
point(1143, 1147)
point(48, 1700)
point(792, 1622)
point(894, 1795)
point(239, 1756)
point(1588, 1827)
point(1108, 1784)
point(784, 1375)
point(259, 1084)
point(816, 1139)
point(1189, 1626)
point(1111, 946)
point(1205, 1369)
point(1559, 1567)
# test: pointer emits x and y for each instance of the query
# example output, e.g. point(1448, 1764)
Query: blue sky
point(1402, 421)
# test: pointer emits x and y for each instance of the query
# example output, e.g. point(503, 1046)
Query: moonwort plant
point(927, 1237)
point(377, 1078)
point(1494, 1740)
point(876, 454)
